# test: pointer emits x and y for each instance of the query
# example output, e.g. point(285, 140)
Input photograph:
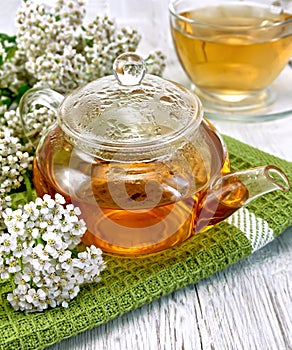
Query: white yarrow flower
point(14, 160)
point(8, 242)
point(36, 250)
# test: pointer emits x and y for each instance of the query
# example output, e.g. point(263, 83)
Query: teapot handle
point(36, 96)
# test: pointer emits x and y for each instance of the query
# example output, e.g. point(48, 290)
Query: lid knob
point(129, 69)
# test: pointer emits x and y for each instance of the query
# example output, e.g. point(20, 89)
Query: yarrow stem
point(39, 250)
point(29, 191)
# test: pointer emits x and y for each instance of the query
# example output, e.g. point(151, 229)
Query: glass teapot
point(135, 154)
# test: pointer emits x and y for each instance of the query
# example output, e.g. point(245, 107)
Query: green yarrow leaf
point(28, 194)
point(9, 44)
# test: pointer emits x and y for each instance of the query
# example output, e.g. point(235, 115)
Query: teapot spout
point(234, 190)
point(258, 181)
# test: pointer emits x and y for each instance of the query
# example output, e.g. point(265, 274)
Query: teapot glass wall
point(145, 168)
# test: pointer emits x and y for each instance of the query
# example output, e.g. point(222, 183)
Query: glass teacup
point(232, 50)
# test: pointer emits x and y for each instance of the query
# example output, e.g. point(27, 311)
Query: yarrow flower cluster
point(39, 250)
point(37, 123)
point(56, 49)
point(15, 161)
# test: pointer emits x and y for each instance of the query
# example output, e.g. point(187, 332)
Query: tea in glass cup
point(232, 50)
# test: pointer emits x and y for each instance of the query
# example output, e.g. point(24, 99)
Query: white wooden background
point(247, 306)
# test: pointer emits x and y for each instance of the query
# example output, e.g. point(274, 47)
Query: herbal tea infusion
point(118, 212)
point(233, 48)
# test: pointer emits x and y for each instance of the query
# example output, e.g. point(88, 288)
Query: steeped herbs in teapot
point(134, 152)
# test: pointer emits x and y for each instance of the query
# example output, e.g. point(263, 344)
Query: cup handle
point(36, 96)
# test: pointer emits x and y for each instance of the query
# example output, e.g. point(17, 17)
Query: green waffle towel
point(130, 283)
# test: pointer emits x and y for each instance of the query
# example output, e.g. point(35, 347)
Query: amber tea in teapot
point(154, 225)
point(137, 157)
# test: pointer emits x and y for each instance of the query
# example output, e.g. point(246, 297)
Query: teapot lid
point(129, 108)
